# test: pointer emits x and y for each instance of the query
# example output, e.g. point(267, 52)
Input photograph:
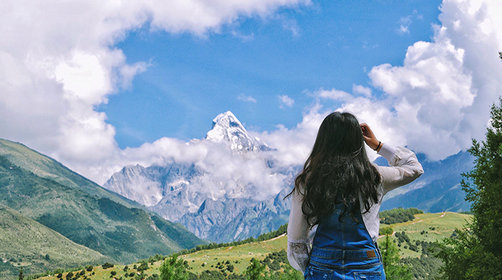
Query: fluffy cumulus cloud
point(436, 102)
point(440, 96)
point(58, 61)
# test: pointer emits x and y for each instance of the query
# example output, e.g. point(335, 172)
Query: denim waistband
point(362, 254)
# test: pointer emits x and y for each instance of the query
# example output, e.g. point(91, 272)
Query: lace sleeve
point(298, 235)
point(298, 255)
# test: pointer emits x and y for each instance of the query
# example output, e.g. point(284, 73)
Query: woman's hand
point(369, 136)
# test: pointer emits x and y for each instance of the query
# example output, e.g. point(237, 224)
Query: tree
point(255, 270)
point(391, 264)
point(21, 276)
point(476, 251)
point(173, 269)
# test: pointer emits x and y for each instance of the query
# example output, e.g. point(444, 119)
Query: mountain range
point(176, 191)
point(50, 212)
point(53, 217)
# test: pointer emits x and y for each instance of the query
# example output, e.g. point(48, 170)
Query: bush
point(107, 265)
point(89, 268)
point(142, 267)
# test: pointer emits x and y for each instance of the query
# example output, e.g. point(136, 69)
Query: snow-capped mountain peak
point(228, 129)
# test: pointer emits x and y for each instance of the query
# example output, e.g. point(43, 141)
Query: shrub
point(107, 265)
point(142, 267)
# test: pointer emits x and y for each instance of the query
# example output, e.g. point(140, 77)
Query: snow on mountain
point(229, 130)
point(207, 197)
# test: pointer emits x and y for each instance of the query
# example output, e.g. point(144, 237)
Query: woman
point(340, 191)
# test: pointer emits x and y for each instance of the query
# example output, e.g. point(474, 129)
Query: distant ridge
point(438, 189)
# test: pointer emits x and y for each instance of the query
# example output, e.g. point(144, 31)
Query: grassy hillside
point(27, 244)
point(427, 227)
point(240, 255)
point(47, 192)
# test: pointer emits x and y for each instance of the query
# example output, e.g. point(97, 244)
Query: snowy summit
point(228, 129)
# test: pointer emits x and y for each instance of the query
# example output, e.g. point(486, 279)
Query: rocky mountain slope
point(176, 190)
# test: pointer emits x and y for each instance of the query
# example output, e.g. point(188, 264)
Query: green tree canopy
point(173, 269)
point(255, 270)
point(476, 251)
point(394, 270)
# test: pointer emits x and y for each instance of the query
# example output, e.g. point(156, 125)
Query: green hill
point(42, 189)
point(425, 227)
point(428, 227)
point(35, 247)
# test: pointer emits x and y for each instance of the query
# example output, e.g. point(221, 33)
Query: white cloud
point(359, 89)
point(128, 72)
point(243, 37)
point(333, 94)
point(442, 93)
point(58, 62)
point(294, 145)
point(405, 22)
point(404, 25)
point(246, 98)
point(435, 103)
point(286, 101)
point(292, 26)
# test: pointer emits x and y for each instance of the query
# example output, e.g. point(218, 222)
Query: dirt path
point(277, 237)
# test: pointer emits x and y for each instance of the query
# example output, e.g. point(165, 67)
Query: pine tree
point(390, 257)
point(476, 251)
point(173, 269)
point(255, 270)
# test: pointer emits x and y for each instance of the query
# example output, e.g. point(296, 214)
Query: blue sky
point(192, 78)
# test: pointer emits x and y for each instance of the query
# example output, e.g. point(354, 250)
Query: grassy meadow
point(428, 227)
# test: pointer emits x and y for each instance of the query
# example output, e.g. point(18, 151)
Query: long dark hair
point(337, 171)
